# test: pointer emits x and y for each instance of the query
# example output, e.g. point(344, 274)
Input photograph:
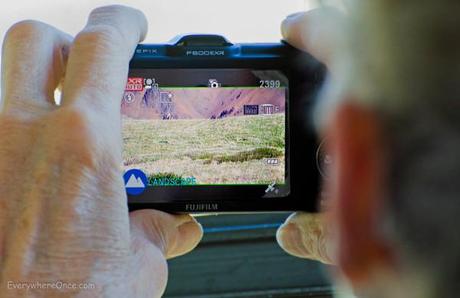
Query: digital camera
point(211, 126)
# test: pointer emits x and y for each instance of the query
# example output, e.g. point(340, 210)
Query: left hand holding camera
point(63, 207)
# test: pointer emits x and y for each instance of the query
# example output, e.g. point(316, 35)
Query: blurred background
point(239, 256)
point(239, 20)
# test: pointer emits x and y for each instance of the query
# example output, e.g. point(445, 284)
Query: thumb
point(174, 235)
point(305, 235)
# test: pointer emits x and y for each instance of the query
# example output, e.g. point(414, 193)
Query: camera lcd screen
point(207, 128)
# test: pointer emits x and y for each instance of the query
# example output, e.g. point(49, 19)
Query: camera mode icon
point(129, 97)
point(213, 83)
point(135, 182)
point(271, 188)
point(150, 83)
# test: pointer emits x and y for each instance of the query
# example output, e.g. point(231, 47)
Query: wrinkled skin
point(63, 214)
point(63, 211)
point(308, 235)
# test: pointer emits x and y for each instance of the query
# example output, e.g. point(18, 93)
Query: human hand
point(306, 235)
point(63, 209)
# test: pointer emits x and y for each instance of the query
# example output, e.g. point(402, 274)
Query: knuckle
point(113, 13)
point(98, 36)
point(121, 19)
point(25, 31)
point(109, 11)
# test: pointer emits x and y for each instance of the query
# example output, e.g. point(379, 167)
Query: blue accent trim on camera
point(241, 228)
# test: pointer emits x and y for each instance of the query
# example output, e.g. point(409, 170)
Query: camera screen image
point(186, 127)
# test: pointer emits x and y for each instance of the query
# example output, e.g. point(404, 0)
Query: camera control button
point(324, 160)
point(201, 40)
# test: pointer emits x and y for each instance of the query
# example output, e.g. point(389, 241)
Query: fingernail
point(183, 219)
point(289, 236)
point(193, 222)
point(285, 28)
point(189, 235)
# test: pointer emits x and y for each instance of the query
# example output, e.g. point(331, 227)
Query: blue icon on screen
point(135, 182)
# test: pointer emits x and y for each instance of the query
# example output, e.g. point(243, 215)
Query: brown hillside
point(205, 103)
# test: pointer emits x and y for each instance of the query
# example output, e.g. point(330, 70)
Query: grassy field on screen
point(231, 150)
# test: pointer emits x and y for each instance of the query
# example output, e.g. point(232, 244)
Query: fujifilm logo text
point(201, 207)
point(205, 53)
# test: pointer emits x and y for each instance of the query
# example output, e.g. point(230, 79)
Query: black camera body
point(210, 126)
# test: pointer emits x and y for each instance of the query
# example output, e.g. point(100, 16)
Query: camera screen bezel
point(305, 76)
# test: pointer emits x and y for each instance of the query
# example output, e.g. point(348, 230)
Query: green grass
point(255, 154)
point(207, 149)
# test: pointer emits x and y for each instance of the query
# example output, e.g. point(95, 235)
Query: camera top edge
point(216, 47)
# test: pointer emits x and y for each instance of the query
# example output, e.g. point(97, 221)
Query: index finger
point(317, 31)
point(99, 59)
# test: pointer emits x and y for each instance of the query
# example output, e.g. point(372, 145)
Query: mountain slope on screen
point(199, 103)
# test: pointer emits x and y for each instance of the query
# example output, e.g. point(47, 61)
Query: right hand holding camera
point(306, 235)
